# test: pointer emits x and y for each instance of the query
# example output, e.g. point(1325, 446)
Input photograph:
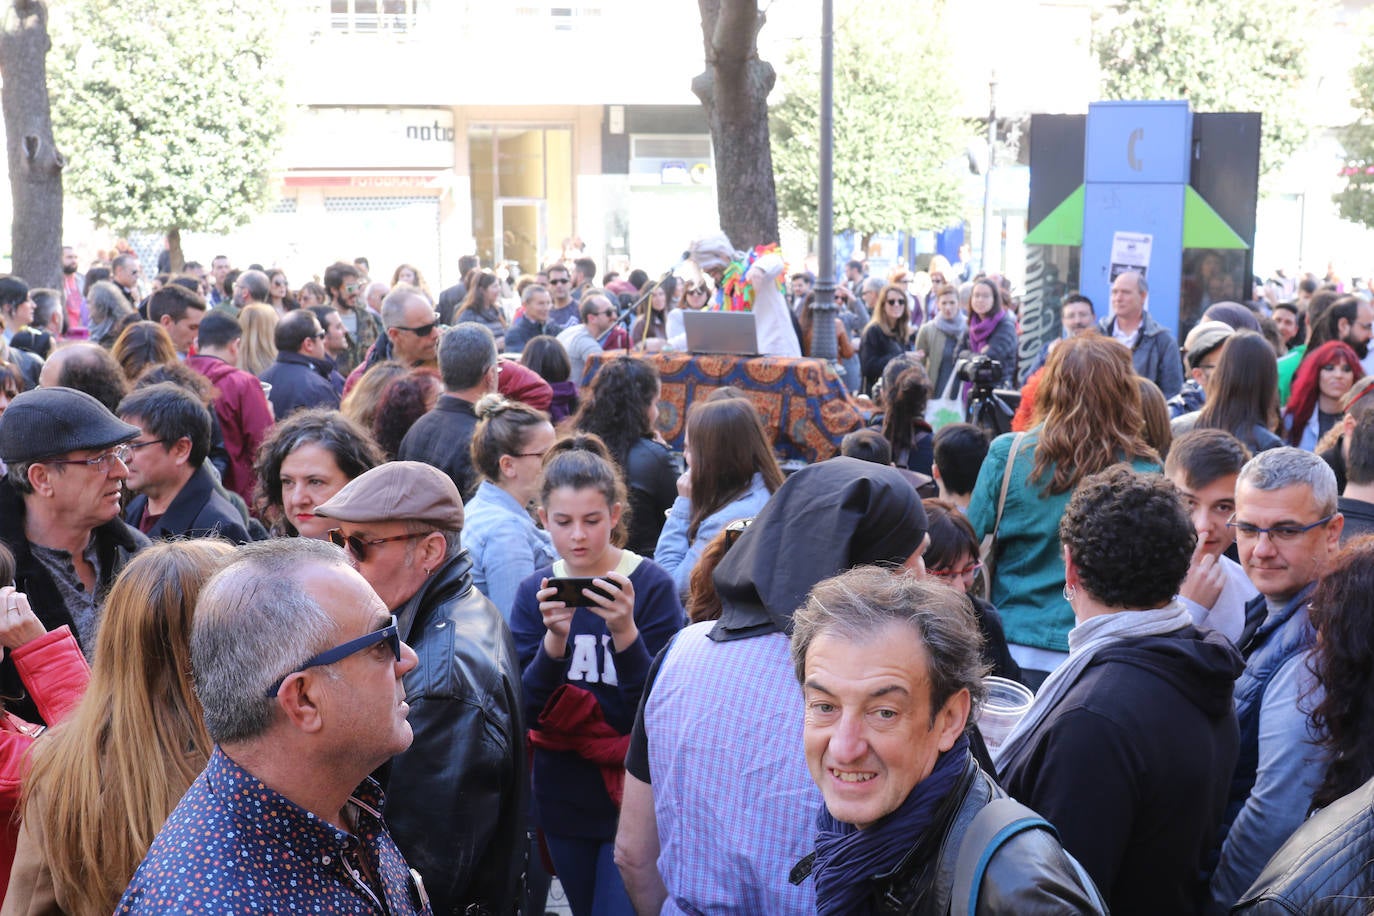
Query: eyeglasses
point(104, 461)
point(530, 454)
point(896, 302)
point(388, 634)
point(352, 287)
point(1277, 532)
point(135, 446)
point(321, 335)
point(423, 330)
point(969, 570)
point(561, 282)
point(358, 547)
point(697, 291)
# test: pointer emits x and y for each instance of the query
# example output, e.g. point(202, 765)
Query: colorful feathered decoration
point(735, 295)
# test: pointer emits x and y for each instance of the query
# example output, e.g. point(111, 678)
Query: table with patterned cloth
point(804, 405)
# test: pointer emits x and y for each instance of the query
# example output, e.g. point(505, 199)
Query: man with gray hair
point(455, 799)
point(412, 326)
point(1287, 526)
point(1153, 349)
point(443, 437)
point(298, 666)
point(891, 672)
point(251, 287)
point(533, 321)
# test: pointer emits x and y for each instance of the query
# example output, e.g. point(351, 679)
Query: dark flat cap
point(47, 422)
point(398, 491)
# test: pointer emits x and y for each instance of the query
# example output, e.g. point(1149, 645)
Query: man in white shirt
point(1203, 464)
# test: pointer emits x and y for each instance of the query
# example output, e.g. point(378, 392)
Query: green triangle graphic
point(1203, 227)
point(1064, 225)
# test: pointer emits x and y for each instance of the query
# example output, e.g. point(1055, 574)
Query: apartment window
point(375, 16)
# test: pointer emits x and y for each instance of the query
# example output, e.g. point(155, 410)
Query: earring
point(1070, 593)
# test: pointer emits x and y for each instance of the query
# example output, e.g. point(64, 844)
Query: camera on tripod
point(983, 372)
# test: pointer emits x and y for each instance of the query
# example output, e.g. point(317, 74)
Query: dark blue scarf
point(848, 859)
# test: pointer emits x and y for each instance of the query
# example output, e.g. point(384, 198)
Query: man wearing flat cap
point(59, 512)
point(456, 798)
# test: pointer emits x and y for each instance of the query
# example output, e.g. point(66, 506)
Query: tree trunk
point(35, 164)
point(734, 90)
point(175, 256)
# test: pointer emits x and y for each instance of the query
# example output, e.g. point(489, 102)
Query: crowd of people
point(354, 597)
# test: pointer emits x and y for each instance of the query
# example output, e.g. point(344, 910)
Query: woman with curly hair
point(621, 406)
point(1343, 663)
point(904, 422)
point(142, 346)
point(103, 782)
point(305, 460)
point(1324, 377)
point(1087, 417)
point(404, 401)
point(1129, 746)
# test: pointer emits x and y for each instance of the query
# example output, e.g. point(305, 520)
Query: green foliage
point(1222, 55)
point(1356, 200)
point(169, 111)
point(896, 133)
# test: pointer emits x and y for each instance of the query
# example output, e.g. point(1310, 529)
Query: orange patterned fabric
point(803, 403)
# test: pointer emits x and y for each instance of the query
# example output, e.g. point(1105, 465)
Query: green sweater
point(1028, 588)
point(1288, 367)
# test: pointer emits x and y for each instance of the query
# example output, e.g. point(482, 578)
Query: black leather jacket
point(456, 799)
point(1029, 875)
point(1325, 865)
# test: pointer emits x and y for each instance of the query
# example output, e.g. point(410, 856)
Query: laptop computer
point(732, 333)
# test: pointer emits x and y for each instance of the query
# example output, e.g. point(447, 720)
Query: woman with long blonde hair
point(1087, 418)
point(258, 351)
point(103, 781)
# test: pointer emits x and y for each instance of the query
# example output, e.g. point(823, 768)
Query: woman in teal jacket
point(1086, 418)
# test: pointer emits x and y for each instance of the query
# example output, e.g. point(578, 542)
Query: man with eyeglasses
point(124, 271)
point(344, 285)
point(178, 495)
point(412, 327)
point(298, 666)
point(59, 512)
point(1287, 526)
point(564, 312)
point(456, 798)
point(303, 376)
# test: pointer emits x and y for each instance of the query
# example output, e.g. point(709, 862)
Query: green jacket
point(1028, 588)
point(369, 329)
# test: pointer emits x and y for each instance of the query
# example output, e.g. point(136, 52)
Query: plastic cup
point(1007, 702)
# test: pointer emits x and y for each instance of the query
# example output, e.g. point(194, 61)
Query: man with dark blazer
point(177, 493)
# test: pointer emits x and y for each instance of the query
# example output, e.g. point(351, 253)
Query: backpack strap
point(1000, 820)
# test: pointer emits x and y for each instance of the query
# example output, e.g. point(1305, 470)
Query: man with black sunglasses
point(298, 666)
point(456, 798)
point(412, 327)
point(564, 311)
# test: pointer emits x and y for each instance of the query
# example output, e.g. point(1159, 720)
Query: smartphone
point(570, 590)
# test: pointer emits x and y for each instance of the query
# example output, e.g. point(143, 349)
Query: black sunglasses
point(423, 330)
point(358, 547)
point(390, 634)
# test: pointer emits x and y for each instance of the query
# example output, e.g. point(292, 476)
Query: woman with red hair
point(1324, 377)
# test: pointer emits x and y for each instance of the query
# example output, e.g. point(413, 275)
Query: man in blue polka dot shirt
point(298, 665)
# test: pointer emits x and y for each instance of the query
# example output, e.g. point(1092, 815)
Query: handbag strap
point(1006, 481)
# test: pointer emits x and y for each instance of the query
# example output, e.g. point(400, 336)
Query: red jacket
point(244, 416)
point(55, 673)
